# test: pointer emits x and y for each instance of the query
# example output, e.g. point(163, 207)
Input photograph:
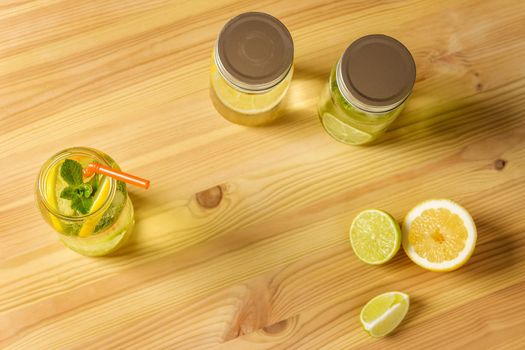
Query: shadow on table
point(446, 116)
point(300, 104)
point(495, 252)
point(143, 203)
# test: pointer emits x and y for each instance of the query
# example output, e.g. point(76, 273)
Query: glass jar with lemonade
point(251, 69)
point(367, 89)
point(92, 215)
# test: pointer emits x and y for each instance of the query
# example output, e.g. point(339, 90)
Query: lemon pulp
point(439, 235)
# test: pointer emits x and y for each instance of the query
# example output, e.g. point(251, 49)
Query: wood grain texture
point(241, 242)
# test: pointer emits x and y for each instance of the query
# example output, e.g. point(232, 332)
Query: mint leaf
point(69, 193)
point(105, 221)
point(79, 193)
point(82, 204)
point(85, 190)
point(71, 172)
point(121, 186)
point(94, 183)
point(72, 192)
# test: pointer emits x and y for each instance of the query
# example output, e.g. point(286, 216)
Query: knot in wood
point(209, 198)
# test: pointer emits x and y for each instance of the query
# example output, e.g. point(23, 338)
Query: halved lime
point(375, 236)
point(344, 132)
point(384, 313)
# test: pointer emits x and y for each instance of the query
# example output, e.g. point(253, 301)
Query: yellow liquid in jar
point(99, 232)
point(349, 124)
point(250, 109)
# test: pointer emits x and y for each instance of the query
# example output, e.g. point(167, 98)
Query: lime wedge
point(375, 236)
point(384, 313)
point(100, 198)
point(343, 132)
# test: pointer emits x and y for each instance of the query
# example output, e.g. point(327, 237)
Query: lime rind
point(383, 313)
point(375, 236)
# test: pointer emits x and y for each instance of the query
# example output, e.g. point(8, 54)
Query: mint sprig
point(79, 193)
point(71, 172)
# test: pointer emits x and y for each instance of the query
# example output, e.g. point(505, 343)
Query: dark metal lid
point(378, 72)
point(254, 50)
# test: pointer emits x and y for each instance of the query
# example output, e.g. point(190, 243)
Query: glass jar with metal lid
point(367, 89)
point(251, 68)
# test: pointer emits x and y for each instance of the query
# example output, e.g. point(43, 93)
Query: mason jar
point(106, 221)
point(251, 69)
point(367, 89)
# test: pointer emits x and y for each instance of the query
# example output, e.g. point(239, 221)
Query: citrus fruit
point(439, 235)
point(100, 198)
point(107, 246)
point(344, 132)
point(108, 242)
point(51, 196)
point(375, 236)
point(384, 313)
point(246, 103)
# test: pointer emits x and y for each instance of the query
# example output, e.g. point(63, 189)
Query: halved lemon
point(384, 313)
point(439, 235)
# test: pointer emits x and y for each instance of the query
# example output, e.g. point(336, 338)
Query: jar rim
point(243, 86)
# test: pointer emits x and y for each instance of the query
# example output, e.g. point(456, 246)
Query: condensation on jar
point(251, 69)
point(367, 89)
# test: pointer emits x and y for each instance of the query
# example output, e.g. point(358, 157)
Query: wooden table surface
point(241, 242)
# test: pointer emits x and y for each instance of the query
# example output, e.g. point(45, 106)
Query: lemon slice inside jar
point(344, 132)
point(247, 103)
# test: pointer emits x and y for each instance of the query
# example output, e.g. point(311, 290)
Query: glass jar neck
point(359, 104)
point(242, 86)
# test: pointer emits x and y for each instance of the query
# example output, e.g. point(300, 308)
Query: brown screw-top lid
point(255, 50)
point(378, 72)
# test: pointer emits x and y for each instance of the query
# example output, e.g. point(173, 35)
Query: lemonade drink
point(251, 69)
point(93, 216)
point(347, 123)
point(250, 108)
point(367, 89)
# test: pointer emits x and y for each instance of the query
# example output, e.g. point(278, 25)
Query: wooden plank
point(270, 266)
